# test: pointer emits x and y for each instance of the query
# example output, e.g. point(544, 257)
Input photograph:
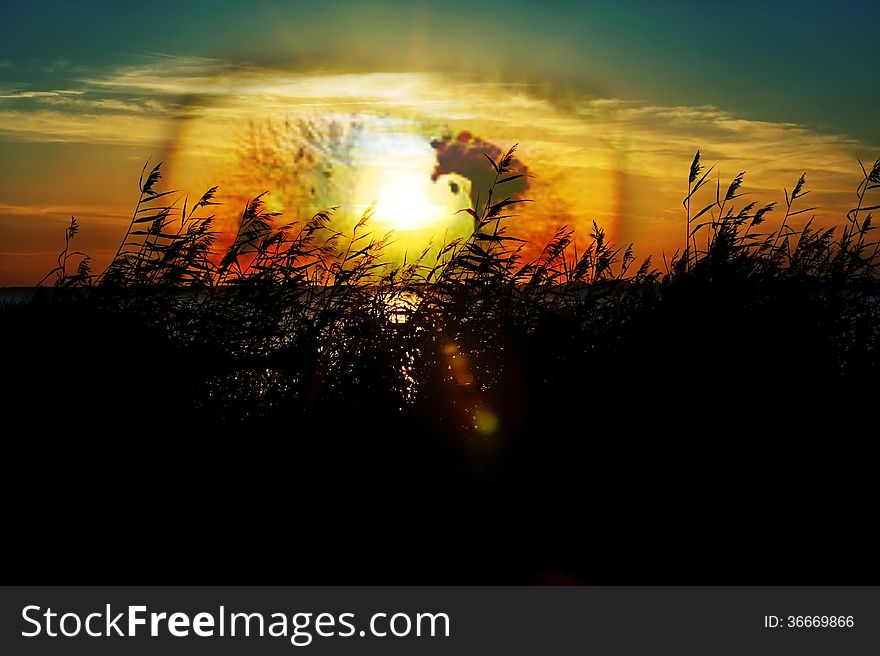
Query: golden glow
point(393, 171)
point(616, 162)
point(346, 141)
point(404, 202)
point(407, 199)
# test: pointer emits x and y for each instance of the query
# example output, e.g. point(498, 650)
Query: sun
point(410, 201)
point(395, 177)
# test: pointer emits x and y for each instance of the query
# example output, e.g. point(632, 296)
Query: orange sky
point(352, 139)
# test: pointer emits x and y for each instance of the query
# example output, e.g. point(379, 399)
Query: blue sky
point(812, 63)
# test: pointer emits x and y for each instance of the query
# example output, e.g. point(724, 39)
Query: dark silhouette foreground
point(292, 412)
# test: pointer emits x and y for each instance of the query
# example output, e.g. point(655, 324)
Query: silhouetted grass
point(538, 403)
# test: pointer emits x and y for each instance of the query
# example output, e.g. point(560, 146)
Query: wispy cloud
point(166, 86)
point(55, 126)
point(61, 211)
point(65, 66)
point(53, 93)
point(152, 106)
point(165, 74)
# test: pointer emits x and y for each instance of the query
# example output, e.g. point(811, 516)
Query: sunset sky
point(351, 103)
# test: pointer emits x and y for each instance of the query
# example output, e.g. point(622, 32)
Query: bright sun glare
point(395, 173)
point(409, 201)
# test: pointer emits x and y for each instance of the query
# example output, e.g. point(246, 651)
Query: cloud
point(65, 66)
point(132, 105)
point(165, 74)
point(54, 93)
point(465, 154)
point(55, 126)
point(61, 212)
